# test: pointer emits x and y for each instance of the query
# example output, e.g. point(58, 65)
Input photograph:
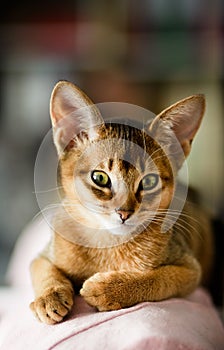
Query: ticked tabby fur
point(120, 256)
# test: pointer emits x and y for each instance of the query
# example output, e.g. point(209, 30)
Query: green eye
point(100, 178)
point(149, 182)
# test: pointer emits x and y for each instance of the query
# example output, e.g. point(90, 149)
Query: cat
point(108, 241)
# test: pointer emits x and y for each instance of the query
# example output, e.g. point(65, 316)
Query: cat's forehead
point(125, 137)
point(120, 148)
point(125, 132)
point(121, 168)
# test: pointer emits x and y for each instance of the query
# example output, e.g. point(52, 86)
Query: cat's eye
point(149, 182)
point(100, 178)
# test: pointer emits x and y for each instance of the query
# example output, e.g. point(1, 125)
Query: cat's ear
point(72, 112)
point(183, 119)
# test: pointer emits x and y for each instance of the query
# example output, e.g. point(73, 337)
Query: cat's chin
point(123, 230)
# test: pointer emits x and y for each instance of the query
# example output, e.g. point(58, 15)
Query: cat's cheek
point(166, 197)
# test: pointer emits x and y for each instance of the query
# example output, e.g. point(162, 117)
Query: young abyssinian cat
point(118, 181)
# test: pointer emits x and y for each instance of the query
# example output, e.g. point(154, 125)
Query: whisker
point(182, 222)
point(49, 190)
point(181, 217)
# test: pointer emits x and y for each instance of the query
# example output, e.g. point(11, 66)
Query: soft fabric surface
point(187, 324)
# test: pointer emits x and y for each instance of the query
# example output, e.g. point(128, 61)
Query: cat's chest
point(81, 262)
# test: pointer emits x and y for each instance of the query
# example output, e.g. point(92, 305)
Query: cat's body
point(108, 239)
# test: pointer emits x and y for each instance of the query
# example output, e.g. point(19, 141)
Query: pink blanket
point(176, 324)
point(186, 324)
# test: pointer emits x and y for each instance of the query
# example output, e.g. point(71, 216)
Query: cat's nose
point(124, 214)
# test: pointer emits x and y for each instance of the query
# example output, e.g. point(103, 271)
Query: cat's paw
point(53, 305)
point(103, 291)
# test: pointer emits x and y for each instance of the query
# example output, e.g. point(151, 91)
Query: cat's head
point(118, 177)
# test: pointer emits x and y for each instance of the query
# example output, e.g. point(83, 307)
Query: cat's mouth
point(123, 228)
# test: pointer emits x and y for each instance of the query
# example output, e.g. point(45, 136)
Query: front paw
point(103, 291)
point(53, 305)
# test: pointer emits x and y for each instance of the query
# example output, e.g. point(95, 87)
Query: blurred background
point(149, 52)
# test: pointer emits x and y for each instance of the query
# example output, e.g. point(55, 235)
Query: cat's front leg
point(53, 292)
point(119, 289)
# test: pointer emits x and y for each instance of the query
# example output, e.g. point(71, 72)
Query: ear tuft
point(71, 112)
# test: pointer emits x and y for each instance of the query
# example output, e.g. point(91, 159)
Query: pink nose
point(124, 214)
